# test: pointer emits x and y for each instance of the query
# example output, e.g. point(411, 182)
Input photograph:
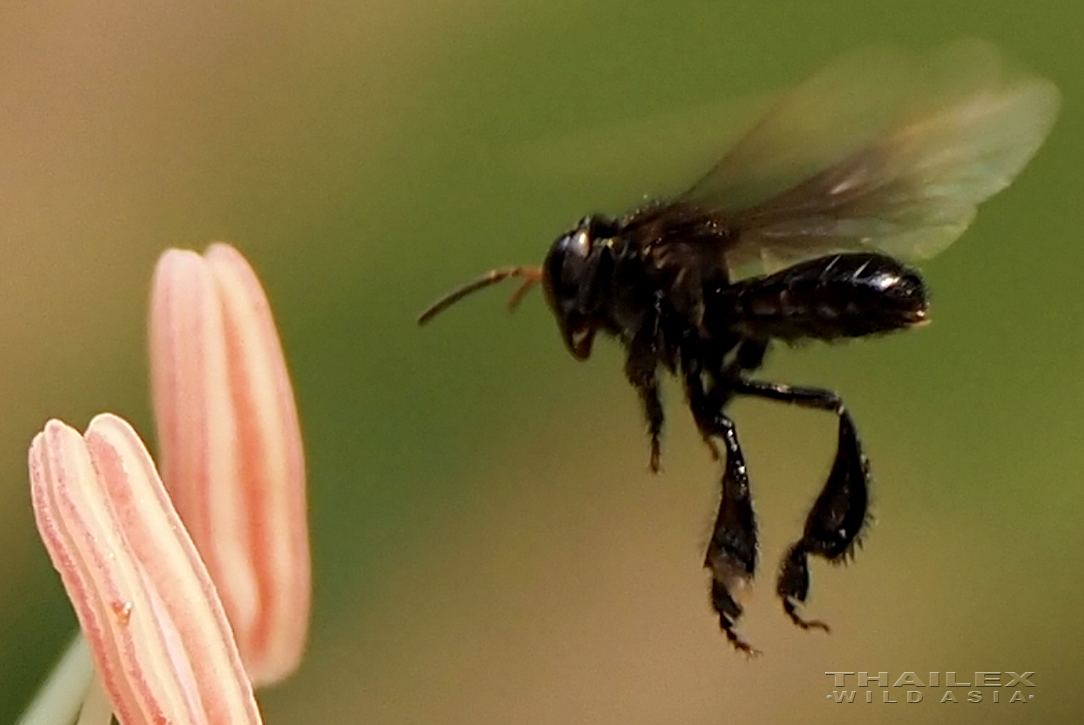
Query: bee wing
point(878, 151)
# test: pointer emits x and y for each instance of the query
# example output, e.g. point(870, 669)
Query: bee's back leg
point(732, 553)
point(840, 512)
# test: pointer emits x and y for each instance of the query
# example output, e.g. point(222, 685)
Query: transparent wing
point(878, 150)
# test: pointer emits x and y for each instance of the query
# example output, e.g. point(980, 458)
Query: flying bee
point(794, 235)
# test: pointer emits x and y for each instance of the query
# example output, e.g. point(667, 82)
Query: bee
point(795, 235)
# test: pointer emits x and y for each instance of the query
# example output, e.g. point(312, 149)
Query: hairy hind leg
point(732, 553)
point(840, 512)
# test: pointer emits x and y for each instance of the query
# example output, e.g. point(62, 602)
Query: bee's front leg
point(640, 371)
point(641, 368)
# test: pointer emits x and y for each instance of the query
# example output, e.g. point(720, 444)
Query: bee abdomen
point(844, 295)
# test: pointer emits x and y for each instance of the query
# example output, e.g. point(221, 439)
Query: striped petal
point(231, 450)
point(158, 633)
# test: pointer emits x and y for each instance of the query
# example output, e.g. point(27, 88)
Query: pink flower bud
point(231, 452)
point(157, 631)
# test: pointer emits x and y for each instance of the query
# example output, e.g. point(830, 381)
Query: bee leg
point(841, 510)
point(732, 553)
point(712, 448)
point(749, 357)
point(640, 369)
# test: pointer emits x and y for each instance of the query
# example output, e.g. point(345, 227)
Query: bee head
point(577, 264)
point(570, 278)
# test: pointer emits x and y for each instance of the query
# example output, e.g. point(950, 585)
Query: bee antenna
point(529, 281)
point(531, 276)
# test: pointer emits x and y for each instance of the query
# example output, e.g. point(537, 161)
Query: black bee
point(786, 239)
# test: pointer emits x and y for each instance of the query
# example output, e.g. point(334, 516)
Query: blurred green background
point(489, 547)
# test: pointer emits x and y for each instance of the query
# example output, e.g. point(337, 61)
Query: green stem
point(60, 699)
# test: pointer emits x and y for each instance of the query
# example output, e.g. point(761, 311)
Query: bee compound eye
point(580, 244)
point(564, 266)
